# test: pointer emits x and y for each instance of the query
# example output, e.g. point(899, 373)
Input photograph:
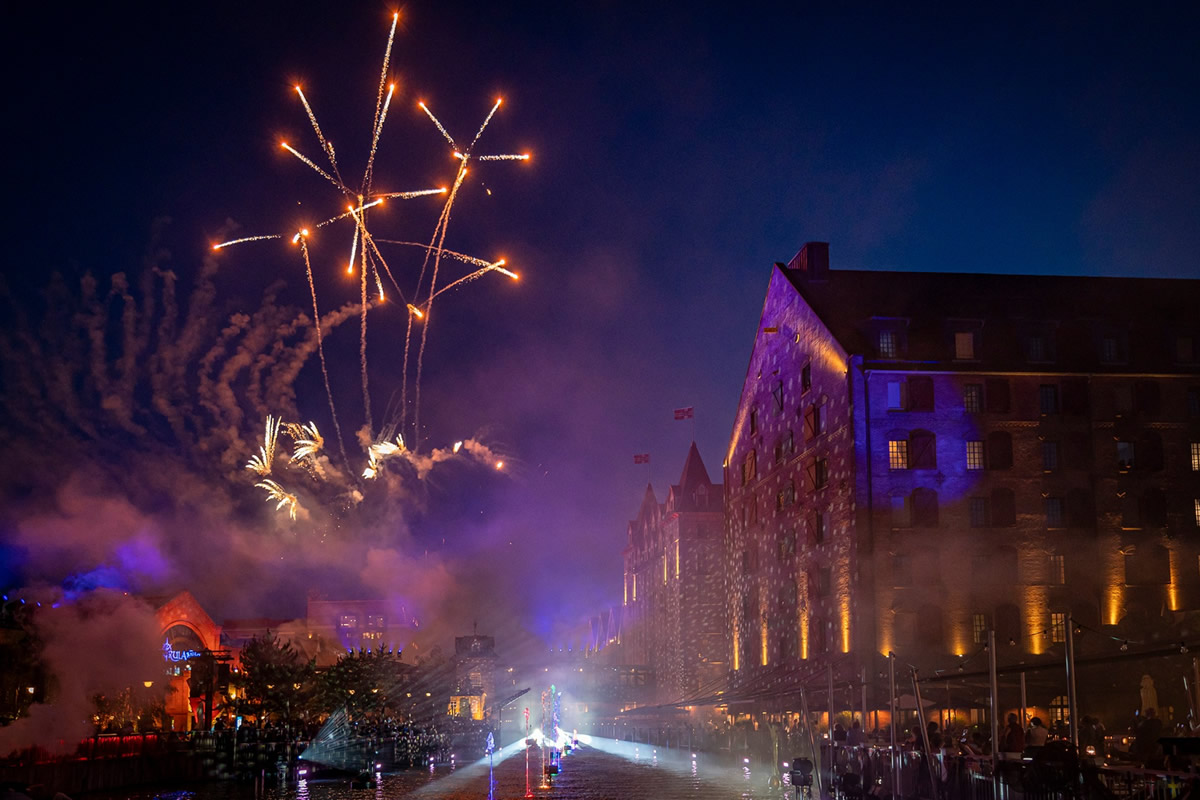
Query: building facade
point(919, 458)
point(672, 618)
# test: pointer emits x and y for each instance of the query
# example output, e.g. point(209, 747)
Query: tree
point(362, 681)
point(274, 680)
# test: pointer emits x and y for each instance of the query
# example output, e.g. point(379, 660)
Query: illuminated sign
point(177, 655)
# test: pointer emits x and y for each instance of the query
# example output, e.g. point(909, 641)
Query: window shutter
point(1074, 396)
point(923, 450)
point(999, 450)
point(920, 394)
point(810, 422)
point(1004, 508)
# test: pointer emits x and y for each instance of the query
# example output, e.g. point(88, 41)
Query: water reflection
point(587, 774)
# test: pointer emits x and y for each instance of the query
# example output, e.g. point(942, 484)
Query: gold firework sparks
point(281, 496)
point(307, 441)
point(261, 463)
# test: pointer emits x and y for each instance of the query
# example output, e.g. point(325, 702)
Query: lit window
point(1058, 570)
point(1058, 627)
point(1197, 512)
point(975, 459)
point(1195, 456)
point(973, 398)
point(889, 345)
point(898, 454)
point(964, 345)
point(1054, 512)
point(979, 628)
point(1049, 456)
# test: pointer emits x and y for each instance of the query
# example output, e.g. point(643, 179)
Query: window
point(786, 496)
point(901, 571)
point(1036, 349)
point(1153, 508)
point(1060, 711)
point(964, 345)
point(780, 454)
point(997, 395)
point(753, 421)
point(898, 454)
point(925, 508)
point(920, 394)
point(1195, 456)
point(814, 420)
point(1196, 512)
point(1123, 399)
point(973, 398)
point(901, 512)
point(777, 396)
point(896, 396)
point(979, 512)
point(975, 458)
point(1048, 398)
point(787, 544)
point(1147, 397)
point(1058, 570)
point(1049, 456)
point(1193, 403)
point(1004, 508)
point(348, 621)
point(1058, 627)
point(806, 377)
point(820, 526)
point(1185, 350)
point(1125, 453)
point(979, 628)
point(999, 450)
point(1110, 350)
point(749, 562)
point(1054, 512)
point(889, 344)
point(922, 450)
point(820, 473)
point(375, 621)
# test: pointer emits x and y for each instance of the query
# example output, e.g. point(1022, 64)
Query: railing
point(1051, 774)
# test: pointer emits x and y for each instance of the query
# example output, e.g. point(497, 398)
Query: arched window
point(999, 450)
point(1060, 713)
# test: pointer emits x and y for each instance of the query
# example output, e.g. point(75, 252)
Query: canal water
point(605, 771)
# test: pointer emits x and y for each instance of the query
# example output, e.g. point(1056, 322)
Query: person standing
point(1013, 740)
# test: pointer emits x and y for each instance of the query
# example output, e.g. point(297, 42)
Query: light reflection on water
point(588, 774)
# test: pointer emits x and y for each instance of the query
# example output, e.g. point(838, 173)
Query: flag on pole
point(641, 458)
point(685, 413)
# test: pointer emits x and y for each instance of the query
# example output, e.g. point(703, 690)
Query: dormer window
point(889, 344)
point(964, 345)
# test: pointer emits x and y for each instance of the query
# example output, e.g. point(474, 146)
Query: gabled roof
point(695, 490)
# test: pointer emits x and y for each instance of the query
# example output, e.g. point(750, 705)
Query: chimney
point(812, 261)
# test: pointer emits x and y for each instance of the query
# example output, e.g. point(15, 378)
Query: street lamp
point(147, 684)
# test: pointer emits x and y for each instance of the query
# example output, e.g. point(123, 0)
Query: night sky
point(677, 153)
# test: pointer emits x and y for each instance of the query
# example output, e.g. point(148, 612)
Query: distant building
point(188, 634)
point(335, 626)
point(673, 619)
point(918, 458)
point(474, 676)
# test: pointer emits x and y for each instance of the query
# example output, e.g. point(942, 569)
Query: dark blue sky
point(678, 152)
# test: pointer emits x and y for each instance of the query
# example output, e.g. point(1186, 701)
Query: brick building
point(672, 619)
point(920, 457)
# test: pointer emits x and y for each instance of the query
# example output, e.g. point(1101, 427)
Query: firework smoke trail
point(337, 427)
